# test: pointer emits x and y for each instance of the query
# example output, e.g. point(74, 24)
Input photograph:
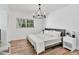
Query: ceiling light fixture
point(39, 14)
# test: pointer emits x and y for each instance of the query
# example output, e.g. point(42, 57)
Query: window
point(30, 23)
point(24, 23)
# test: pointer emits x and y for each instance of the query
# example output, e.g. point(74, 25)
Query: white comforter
point(40, 41)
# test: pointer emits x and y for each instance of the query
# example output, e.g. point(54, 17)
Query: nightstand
point(69, 43)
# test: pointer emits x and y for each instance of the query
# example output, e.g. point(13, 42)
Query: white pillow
point(48, 32)
point(56, 33)
point(52, 33)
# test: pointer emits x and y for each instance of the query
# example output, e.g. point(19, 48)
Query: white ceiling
point(31, 8)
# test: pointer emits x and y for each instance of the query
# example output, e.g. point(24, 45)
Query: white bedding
point(40, 41)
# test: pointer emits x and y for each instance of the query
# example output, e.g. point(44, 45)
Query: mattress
point(48, 40)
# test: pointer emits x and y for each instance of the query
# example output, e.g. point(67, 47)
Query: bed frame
point(49, 29)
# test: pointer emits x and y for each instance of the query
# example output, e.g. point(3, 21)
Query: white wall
point(19, 33)
point(65, 18)
point(3, 22)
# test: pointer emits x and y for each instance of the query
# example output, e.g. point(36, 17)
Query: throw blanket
point(37, 43)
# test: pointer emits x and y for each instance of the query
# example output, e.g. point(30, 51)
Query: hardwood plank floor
point(23, 47)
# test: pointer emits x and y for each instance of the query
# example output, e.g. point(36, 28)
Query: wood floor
point(23, 47)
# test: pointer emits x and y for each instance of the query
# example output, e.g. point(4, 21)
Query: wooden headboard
point(60, 30)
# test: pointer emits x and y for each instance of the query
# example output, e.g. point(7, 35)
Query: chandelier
point(39, 14)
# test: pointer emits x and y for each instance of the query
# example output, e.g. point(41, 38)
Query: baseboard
point(16, 39)
point(77, 48)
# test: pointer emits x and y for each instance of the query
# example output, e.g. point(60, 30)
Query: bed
point(49, 37)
